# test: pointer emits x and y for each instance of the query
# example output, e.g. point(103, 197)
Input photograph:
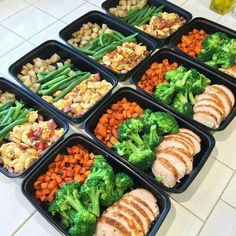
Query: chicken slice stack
point(132, 215)
point(174, 156)
point(214, 105)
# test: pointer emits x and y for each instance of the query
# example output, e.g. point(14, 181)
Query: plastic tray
point(101, 18)
point(80, 62)
point(207, 144)
point(188, 63)
point(169, 7)
point(28, 189)
point(32, 103)
point(210, 27)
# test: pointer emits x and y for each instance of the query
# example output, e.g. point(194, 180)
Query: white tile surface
point(11, 7)
point(180, 222)
point(26, 28)
point(221, 222)
point(31, 1)
point(178, 2)
point(98, 2)
point(229, 195)
point(58, 8)
point(228, 21)
point(52, 32)
point(204, 192)
point(14, 208)
point(13, 56)
point(79, 12)
point(226, 139)
point(202, 9)
point(37, 226)
point(8, 40)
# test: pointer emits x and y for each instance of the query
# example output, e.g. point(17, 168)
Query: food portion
point(217, 50)
point(189, 92)
point(112, 49)
point(149, 138)
point(95, 203)
point(60, 84)
point(24, 134)
point(150, 19)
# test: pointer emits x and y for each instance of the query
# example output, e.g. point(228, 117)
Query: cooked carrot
point(71, 166)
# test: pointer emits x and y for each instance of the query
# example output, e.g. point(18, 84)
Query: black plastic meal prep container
point(79, 62)
point(28, 189)
point(101, 18)
point(169, 7)
point(209, 27)
point(22, 95)
point(207, 140)
point(188, 63)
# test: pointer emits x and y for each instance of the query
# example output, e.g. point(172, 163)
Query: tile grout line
point(205, 221)
point(228, 203)
point(23, 223)
point(223, 163)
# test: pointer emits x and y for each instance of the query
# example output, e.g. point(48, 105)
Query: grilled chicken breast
point(132, 215)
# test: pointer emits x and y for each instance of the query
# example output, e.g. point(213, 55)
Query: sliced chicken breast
point(222, 96)
point(190, 132)
point(160, 169)
point(175, 142)
point(149, 198)
point(227, 91)
point(195, 142)
point(183, 138)
point(213, 97)
point(181, 154)
point(206, 118)
point(175, 160)
point(207, 108)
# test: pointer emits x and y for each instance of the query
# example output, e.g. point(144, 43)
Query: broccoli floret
point(191, 98)
point(177, 74)
point(141, 157)
point(182, 105)
point(165, 92)
point(91, 191)
point(130, 130)
point(122, 148)
point(180, 85)
point(123, 182)
point(67, 199)
point(230, 46)
point(212, 64)
point(206, 54)
point(152, 139)
point(215, 40)
point(224, 59)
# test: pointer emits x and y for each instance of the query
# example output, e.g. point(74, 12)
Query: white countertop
point(207, 208)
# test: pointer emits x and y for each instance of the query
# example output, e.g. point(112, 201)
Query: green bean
point(23, 114)
point(144, 21)
point(57, 79)
point(121, 36)
point(71, 86)
point(6, 104)
point(92, 44)
point(146, 15)
point(8, 115)
point(65, 72)
point(4, 125)
point(53, 74)
point(9, 127)
point(17, 111)
point(132, 13)
point(2, 113)
point(86, 51)
point(139, 15)
point(54, 88)
point(104, 51)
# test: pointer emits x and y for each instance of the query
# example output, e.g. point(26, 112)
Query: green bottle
point(221, 6)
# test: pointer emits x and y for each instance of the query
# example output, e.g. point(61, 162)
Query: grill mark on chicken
point(180, 150)
point(180, 141)
point(116, 225)
point(169, 166)
point(223, 93)
point(209, 106)
point(131, 224)
point(217, 108)
point(174, 154)
point(143, 203)
point(132, 214)
point(187, 131)
point(139, 209)
point(209, 114)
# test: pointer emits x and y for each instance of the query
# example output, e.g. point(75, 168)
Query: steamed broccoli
point(181, 84)
point(177, 74)
point(122, 148)
point(122, 183)
point(141, 157)
point(215, 40)
point(130, 129)
point(206, 54)
point(182, 105)
point(165, 92)
point(224, 59)
point(152, 139)
point(230, 46)
point(68, 199)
